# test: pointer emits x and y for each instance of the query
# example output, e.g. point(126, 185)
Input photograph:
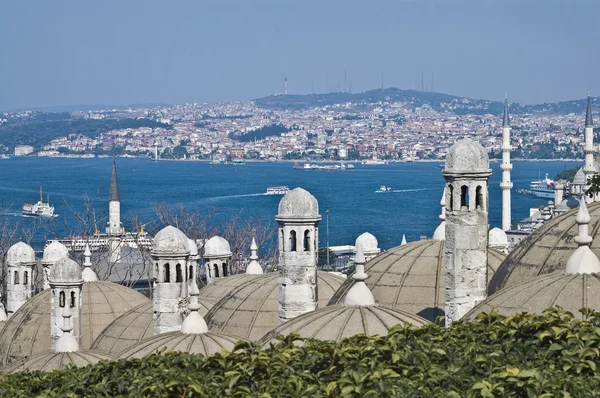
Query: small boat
point(384, 189)
point(277, 190)
point(39, 209)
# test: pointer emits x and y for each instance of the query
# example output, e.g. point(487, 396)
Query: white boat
point(543, 188)
point(384, 189)
point(373, 162)
point(277, 190)
point(39, 209)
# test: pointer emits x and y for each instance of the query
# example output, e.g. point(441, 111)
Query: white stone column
point(588, 167)
point(506, 184)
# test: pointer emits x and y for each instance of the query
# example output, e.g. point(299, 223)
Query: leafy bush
point(550, 355)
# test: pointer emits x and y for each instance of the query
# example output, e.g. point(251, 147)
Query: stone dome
point(192, 247)
point(217, 247)
point(298, 204)
point(497, 238)
point(170, 240)
point(132, 327)
point(467, 156)
point(411, 278)
point(251, 310)
point(20, 253)
point(51, 360)
point(202, 343)
point(54, 252)
point(440, 232)
point(27, 332)
point(368, 242)
point(546, 250)
point(579, 178)
point(65, 270)
point(221, 287)
point(569, 291)
point(336, 322)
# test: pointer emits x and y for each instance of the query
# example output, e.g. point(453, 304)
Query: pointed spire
point(443, 205)
point(254, 266)
point(114, 184)
point(88, 273)
point(66, 342)
point(403, 240)
point(359, 293)
point(588, 112)
point(583, 260)
point(194, 323)
point(505, 120)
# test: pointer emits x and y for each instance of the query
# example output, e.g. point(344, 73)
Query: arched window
point(16, 278)
point(216, 268)
point(307, 240)
point(292, 241)
point(464, 197)
point(178, 274)
point(224, 265)
point(451, 198)
point(191, 272)
point(72, 299)
point(479, 198)
point(61, 299)
point(281, 240)
point(25, 278)
point(167, 273)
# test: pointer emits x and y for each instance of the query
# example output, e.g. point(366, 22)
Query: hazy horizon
point(64, 53)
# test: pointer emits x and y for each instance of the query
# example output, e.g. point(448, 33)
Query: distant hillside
point(85, 108)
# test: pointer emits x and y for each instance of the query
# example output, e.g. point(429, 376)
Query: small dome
point(192, 247)
point(132, 327)
point(579, 178)
point(571, 292)
point(170, 240)
point(411, 278)
point(203, 343)
point(54, 252)
point(467, 156)
point(252, 309)
point(27, 332)
point(440, 232)
point(51, 360)
point(216, 247)
point(336, 322)
point(20, 253)
point(65, 270)
point(368, 242)
point(497, 238)
point(298, 204)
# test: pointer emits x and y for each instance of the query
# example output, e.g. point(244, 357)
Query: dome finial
point(88, 273)
point(583, 260)
point(403, 240)
point(194, 323)
point(254, 266)
point(66, 342)
point(359, 293)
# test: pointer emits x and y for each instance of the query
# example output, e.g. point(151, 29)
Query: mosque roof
point(221, 287)
point(132, 327)
point(411, 278)
point(298, 204)
point(546, 250)
point(51, 360)
point(336, 322)
point(27, 332)
point(217, 247)
point(20, 253)
point(251, 310)
point(170, 240)
point(467, 156)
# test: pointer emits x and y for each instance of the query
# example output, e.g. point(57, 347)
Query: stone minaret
point(65, 283)
point(20, 259)
point(506, 167)
point(467, 172)
point(298, 219)
point(588, 167)
point(114, 230)
point(170, 253)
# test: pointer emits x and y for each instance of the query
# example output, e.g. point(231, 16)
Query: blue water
point(230, 191)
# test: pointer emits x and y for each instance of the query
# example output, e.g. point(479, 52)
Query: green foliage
point(322, 257)
point(550, 355)
point(259, 134)
point(567, 174)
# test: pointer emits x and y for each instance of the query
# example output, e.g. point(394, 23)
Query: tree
point(322, 258)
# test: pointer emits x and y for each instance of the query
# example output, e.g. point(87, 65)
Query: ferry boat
point(277, 190)
point(373, 162)
point(308, 166)
point(384, 189)
point(543, 188)
point(39, 209)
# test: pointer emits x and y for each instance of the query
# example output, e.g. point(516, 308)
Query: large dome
point(411, 278)
point(27, 332)
point(251, 310)
point(51, 360)
point(170, 240)
point(336, 322)
point(221, 287)
point(298, 204)
point(569, 291)
point(132, 327)
point(467, 156)
point(546, 250)
point(217, 247)
point(20, 253)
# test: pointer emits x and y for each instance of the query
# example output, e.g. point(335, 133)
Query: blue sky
point(141, 51)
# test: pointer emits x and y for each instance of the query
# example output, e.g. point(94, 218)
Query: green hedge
point(550, 355)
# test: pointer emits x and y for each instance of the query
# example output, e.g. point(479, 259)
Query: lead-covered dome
point(20, 253)
point(217, 247)
point(27, 332)
point(170, 240)
point(298, 204)
point(546, 250)
point(54, 252)
point(411, 278)
point(467, 156)
point(251, 310)
point(50, 361)
point(336, 322)
point(65, 270)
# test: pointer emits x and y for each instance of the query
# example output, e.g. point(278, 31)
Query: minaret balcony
point(506, 185)
point(506, 166)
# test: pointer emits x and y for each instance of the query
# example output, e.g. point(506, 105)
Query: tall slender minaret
point(506, 185)
point(588, 167)
point(114, 229)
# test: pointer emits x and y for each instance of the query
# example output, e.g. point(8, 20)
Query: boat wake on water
point(414, 190)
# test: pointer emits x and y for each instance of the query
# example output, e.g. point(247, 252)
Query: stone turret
point(217, 258)
point(466, 172)
point(506, 184)
point(65, 283)
point(52, 253)
point(298, 238)
point(20, 259)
